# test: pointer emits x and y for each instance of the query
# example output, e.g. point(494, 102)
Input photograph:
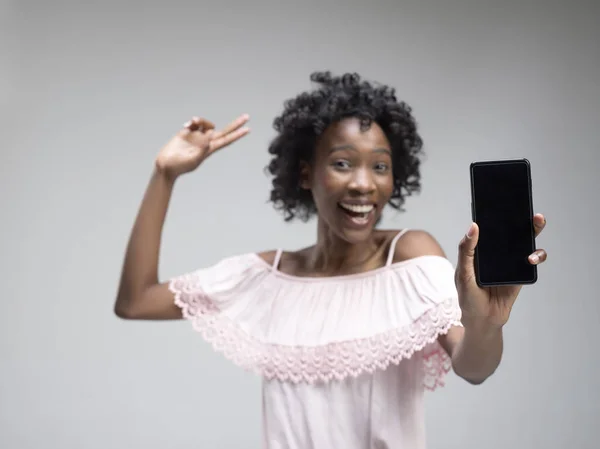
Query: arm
point(140, 295)
point(476, 348)
point(476, 351)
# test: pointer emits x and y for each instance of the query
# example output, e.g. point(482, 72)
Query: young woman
point(349, 332)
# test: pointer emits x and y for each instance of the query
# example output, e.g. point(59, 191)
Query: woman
point(348, 333)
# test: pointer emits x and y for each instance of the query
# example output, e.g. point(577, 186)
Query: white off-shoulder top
point(345, 360)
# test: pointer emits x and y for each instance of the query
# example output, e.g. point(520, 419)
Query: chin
point(357, 230)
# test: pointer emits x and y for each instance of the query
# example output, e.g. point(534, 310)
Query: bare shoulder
point(290, 260)
point(268, 256)
point(416, 243)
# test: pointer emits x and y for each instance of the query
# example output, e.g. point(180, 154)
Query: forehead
point(348, 132)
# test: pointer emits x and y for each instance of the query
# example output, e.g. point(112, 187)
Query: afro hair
point(306, 116)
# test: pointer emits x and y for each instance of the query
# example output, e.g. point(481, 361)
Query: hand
point(492, 305)
point(195, 142)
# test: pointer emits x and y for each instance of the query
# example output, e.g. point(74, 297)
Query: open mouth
point(359, 214)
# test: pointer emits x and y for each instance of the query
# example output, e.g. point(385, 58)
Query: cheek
point(386, 185)
point(327, 182)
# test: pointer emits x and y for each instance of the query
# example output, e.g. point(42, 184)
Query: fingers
point(466, 253)
point(220, 142)
point(237, 123)
point(232, 132)
point(539, 223)
point(198, 123)
point(215, 140)
point(539, 256)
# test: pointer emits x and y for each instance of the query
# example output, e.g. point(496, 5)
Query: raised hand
point(195, 142)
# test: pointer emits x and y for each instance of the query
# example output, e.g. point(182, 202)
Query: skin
point(140, 295)
point(349, 164)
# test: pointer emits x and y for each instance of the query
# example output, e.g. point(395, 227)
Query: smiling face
point(350, 178)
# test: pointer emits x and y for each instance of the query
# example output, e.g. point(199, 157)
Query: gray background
point(90, 93)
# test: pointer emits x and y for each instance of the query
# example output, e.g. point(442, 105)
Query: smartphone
point(502, 207)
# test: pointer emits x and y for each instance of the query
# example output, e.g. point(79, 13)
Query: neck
point(332, 254)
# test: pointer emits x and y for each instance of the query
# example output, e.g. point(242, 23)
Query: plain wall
point(91, 92)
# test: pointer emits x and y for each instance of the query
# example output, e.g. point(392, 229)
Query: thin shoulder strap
point(277, 259)
point(393, 246)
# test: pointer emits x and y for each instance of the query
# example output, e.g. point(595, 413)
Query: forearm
point(140, 267)
point(478, 353)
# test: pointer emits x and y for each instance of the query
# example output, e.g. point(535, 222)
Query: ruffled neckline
point(344, 277)
point(308, 329)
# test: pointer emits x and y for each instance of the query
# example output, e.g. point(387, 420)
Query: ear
point(305, 175)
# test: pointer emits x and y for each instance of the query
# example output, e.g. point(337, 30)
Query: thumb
point(466, 253)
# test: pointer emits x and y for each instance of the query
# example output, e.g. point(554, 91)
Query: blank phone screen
point(501, 195)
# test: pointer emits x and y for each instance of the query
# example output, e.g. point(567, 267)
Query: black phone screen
point(503, 210)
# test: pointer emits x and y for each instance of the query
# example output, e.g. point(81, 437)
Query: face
point(350, 178)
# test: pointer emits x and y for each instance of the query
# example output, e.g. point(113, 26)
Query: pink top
point(345, 359)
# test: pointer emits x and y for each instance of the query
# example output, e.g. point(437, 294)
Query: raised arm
point(140, 295)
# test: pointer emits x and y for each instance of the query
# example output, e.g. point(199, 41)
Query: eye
point(341, 164)
point(381, 167)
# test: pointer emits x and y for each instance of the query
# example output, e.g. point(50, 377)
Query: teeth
point(359, 209)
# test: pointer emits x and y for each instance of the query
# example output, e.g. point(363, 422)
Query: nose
point(362, 182)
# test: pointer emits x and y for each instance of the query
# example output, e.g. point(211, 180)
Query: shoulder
point(268, 256)
point(416, 243)
point(413, 243)
point(289, 262)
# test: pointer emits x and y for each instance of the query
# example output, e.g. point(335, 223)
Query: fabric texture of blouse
point(345, 360)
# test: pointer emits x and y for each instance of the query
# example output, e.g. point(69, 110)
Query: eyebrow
point(351, 147)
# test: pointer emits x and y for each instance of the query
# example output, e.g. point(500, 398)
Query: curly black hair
point(307, 115)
